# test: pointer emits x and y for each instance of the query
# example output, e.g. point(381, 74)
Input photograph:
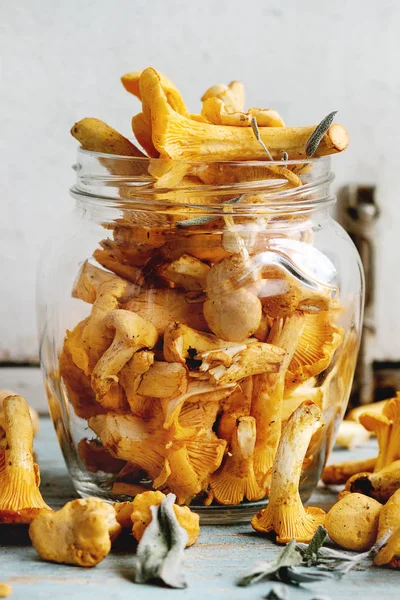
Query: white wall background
point(61, 61)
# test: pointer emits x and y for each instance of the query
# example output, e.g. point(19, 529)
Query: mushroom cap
point(352, 523)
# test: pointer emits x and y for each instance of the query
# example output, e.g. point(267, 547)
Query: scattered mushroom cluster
point(200, 343)
point(369, 506)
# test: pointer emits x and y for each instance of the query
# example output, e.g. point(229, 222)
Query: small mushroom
point(20, 498)
point(375, 408)
point(130, 378)
point(379, 484)
point(235, 316)
point(231, 96)
point(339, 473)
point(132, 333)
point(140, 516)
point(80, 533)
point(352, 523)
point(187, 272)
point(164, 380)
point(389, 520)
point(285, 513)
point(236, 479)
point(236, 405)
point(351, 434)
point(241, 362)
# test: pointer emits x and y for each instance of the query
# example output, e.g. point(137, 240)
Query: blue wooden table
point(212, 565)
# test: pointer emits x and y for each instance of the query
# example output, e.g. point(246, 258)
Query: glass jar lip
point(101, 177)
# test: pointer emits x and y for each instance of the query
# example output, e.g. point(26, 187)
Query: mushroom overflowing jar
point(198, 294)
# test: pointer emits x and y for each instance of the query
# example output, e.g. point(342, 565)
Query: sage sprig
point(206, 218)
point(256, 131)
point(315, 138)
point(299, 564)
point(160, 551)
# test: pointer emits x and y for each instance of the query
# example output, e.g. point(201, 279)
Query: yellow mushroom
point(135, 440)
point(33, 413)
point(236, 405)
point(20, 498)
point(293, 398)
point(268, 389)
point(315, 348)
point(132, 333)
point(96, 136)
point(338, 474)
point(89, 280)
point(187, 272)
point(131, 82)
point(161, 307)
point(5, 590)
point(375, 408)
point(351, 434)
point(352, 523)
point(231, 96)
point(197, 391)
point(182, 342)
point(96, 337)
point(236, 479)
point(130, 378)
point(191, 462)
point(140, 515)
point(141, 127)
point(229, 365)
point(379, 484)
point(389, 520)
point(80, 533)
point(178, 137)
point(285, 513)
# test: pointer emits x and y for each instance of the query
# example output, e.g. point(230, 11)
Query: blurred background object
point(358, 212)
point(61, 63)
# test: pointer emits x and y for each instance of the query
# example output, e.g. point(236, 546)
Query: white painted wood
point(27, 382)
point(62, 61)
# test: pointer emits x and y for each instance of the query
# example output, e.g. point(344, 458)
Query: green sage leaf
point(289, 556)
point(310, 553)
point(315, 138)
point(160, 551)
point(206, 218)
point(256, 131)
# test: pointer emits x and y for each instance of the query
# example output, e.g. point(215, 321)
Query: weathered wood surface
point(212, 565)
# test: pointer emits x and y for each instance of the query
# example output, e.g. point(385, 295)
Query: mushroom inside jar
point(204, 335)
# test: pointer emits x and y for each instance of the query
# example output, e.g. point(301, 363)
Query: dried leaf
point(315, 138)
point(160, 551)
point(311, 550)
point(205, 219)
point(256, 132)
point(303, 575)
point(289, 556)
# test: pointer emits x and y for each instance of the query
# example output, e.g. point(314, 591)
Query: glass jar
point(185, 311)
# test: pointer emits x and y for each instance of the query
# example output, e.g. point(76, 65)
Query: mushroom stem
point(285, 513)
point(268, 395)
point(20, 498)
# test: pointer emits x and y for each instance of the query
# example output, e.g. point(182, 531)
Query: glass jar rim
point(101, 177)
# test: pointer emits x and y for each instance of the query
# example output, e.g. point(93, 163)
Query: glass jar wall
point(184, 314)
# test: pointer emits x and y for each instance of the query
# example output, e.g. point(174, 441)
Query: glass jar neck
point(245, 188)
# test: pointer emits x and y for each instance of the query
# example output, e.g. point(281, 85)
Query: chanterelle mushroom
point(389, 519)
point(34, 416)
point(353, 522)
point(285, 513)
point(132, 333)
point(79, 534)
point(20, 498)
point(236, 479)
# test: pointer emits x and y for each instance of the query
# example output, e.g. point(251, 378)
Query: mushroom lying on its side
point(389, 519)
point(285, 513)
point(80, 533)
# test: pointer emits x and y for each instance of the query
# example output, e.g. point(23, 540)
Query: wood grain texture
point(212, 565)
